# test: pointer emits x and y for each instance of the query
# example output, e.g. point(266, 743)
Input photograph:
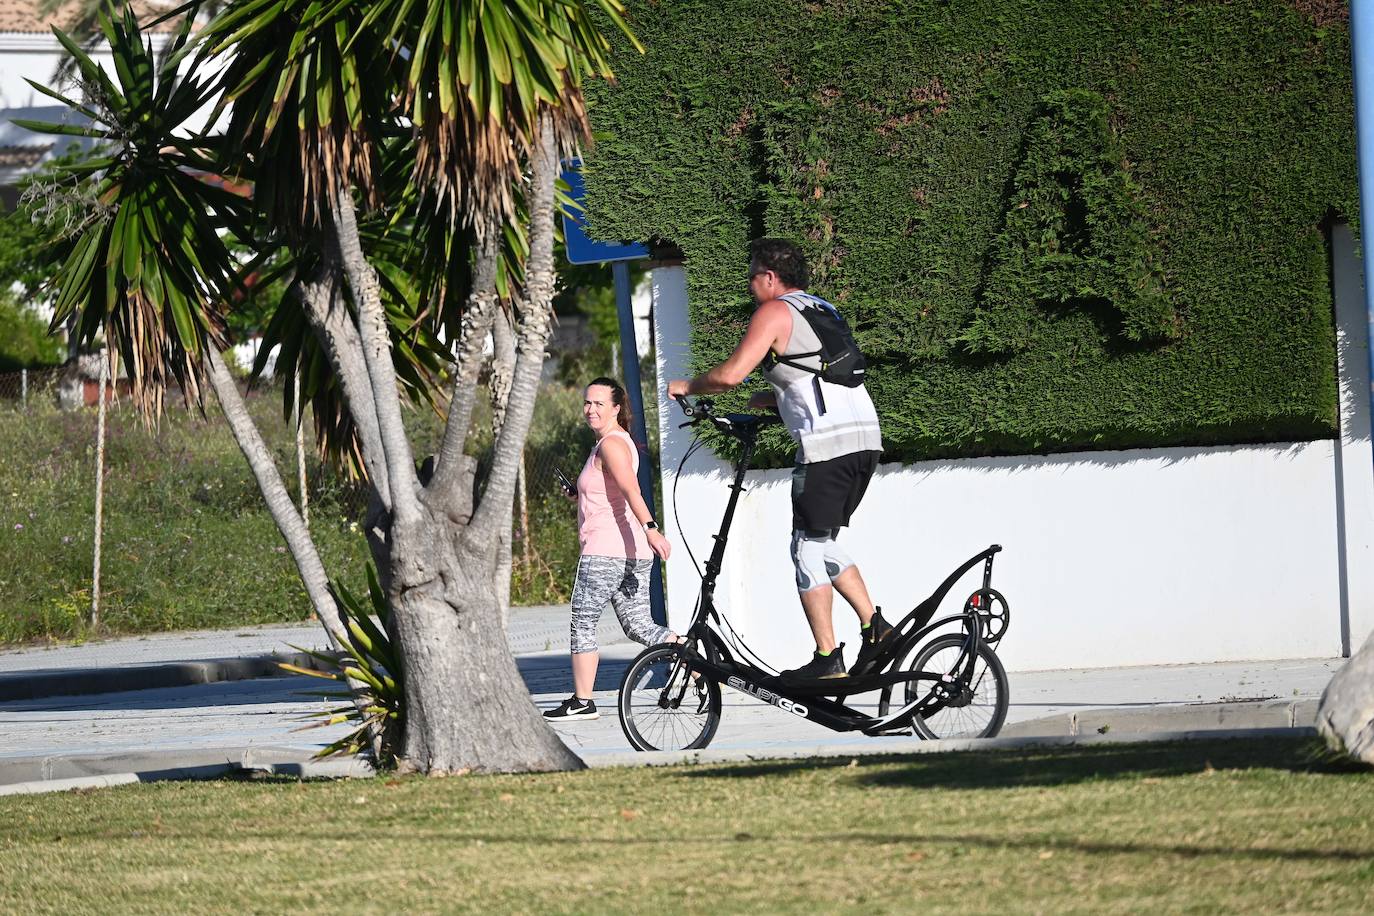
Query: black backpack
point(839, 360)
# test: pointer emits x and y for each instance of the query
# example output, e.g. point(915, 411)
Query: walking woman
point(619, 540)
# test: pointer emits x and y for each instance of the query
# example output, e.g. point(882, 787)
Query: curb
point(1300, 713)
point(64, 773)
point(83, 681)
point(533, 631)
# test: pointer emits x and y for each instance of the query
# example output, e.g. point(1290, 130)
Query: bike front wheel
point(663, 708)
point(972, 707)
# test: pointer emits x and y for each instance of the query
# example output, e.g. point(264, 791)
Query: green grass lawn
point(1236, 826)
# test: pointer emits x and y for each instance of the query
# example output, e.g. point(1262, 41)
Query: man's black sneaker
point(573, 708)
point(878, 630)
point(821, 667)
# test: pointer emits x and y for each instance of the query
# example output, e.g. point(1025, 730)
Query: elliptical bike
point(932, 684)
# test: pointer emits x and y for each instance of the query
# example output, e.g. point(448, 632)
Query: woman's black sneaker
point(878, 630)
point(821, 667)
point(573, 708)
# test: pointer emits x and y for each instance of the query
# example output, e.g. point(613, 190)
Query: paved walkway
point(214, 721)
point(531, 629)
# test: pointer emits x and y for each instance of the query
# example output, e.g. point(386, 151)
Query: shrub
point(1200, 144)
point(24, 340)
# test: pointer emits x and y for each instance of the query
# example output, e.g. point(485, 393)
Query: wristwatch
point(651, 525)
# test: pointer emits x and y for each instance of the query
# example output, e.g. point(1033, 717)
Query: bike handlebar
point(736, 424)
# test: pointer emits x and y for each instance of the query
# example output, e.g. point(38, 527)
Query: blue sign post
point(583, 249)
point(1362, 63)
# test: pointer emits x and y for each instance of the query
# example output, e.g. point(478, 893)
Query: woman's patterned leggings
point(625, 584)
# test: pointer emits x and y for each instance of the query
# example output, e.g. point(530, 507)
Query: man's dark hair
point(783, 258)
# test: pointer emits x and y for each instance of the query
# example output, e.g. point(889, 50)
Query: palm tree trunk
point(536, 324)
point(466, 705)
point(376, 346)
point(321, 299)
point(445, 488)
point(278, 497)
point(502, 375)
point(283, 511)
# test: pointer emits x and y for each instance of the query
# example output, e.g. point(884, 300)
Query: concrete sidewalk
point(208, 656)
point(220, 717)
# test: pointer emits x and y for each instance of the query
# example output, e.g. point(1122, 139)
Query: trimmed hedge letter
point(1074, 236)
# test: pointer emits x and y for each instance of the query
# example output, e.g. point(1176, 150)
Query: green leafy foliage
point(148, 266)
point(24, 339)
point(23, 241)
point(888, 140)
point(368, 659)
point(1075, 234)
point(478, 75)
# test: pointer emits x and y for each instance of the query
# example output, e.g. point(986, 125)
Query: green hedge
point(1055, 226)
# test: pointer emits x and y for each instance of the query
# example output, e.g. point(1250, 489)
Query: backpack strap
point(793, 359)
point(774, 358)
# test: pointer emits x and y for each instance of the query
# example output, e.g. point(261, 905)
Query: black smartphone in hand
point(568, 486)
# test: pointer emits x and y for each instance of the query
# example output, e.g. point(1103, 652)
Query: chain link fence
point(544, 545)
point(18, 389)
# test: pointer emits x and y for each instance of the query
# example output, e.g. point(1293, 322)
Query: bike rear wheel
point(662, 708)
point(972, 708)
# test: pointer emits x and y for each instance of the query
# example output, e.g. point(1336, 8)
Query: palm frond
point(477, 77)
point(308, 90)
point(148, 267)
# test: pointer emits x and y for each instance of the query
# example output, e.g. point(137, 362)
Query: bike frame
point(809, 700)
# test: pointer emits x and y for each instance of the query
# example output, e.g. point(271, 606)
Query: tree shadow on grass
point(1058, 766)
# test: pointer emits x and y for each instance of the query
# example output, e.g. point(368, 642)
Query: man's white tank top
point(849, 423)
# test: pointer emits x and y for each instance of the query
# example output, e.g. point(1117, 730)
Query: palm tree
point(390, 167)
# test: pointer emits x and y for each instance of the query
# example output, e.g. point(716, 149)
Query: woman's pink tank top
point(605, 525)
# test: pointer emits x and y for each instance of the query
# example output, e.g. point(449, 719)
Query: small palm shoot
point(368, 660)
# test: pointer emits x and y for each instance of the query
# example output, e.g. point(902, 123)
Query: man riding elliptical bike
point(809, 358)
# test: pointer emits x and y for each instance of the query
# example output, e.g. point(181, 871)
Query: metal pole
point(620, 272)
point(1362, 60)
point(24, 388)
point(99, 486)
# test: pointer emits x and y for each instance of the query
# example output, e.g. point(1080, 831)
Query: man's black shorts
point(826, 493)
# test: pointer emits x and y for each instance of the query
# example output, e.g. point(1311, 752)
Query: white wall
point(35, 56)
point(1111, 558)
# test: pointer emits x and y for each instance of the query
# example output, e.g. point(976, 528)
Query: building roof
point(23, 15)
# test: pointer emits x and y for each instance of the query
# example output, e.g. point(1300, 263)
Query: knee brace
point(817, 557)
